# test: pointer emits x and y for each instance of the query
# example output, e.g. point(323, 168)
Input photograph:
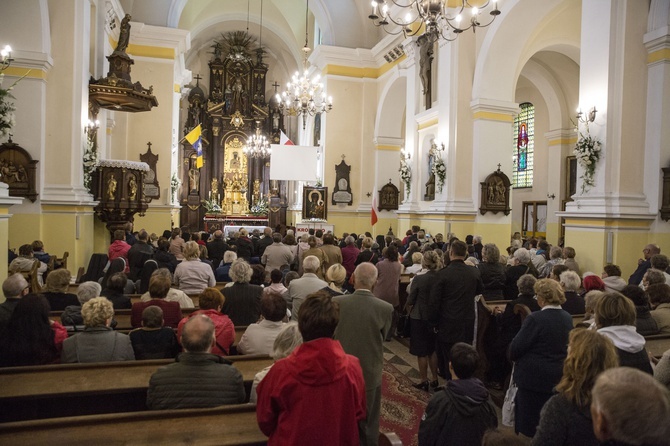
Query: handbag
point(508, 404)
point(404, 326)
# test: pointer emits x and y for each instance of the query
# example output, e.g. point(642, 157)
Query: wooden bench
point(48, 391)
point(225, 425)
point(658, 344)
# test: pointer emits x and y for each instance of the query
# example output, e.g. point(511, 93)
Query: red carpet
point(402, 405)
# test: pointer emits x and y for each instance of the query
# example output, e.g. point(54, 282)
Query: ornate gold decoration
point(237, 120)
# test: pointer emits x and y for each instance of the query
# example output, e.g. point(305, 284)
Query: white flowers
point(406, 175)
point(7, 108)
point(587, 151)
point(440, 172)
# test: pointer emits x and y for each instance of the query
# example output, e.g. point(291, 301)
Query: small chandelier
point(258, 145)
point(305, 96)
point(5, 58)
point(436, 18)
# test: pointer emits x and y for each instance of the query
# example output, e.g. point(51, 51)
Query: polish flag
point(284, 140)
point(373, 210)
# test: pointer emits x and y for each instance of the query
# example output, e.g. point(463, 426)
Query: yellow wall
point(155, 220)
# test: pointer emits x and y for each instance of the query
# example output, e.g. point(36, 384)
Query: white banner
point(297, 163)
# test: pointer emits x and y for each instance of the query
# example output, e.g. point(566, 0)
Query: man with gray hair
point(85, 292)
point(364, 323)
point(629, 407)
point(309, 283)
point(276, 255)
point(173, 295)
point(199, 378)
point(14, 288)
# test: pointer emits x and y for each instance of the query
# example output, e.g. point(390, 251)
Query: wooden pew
point(122, 317)
point(75, 389)
point(658, 344)
point(225, 425)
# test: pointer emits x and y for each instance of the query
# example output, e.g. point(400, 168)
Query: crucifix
point(498, 167)
point(197, 78)
point(149, 145)
point(276, 85)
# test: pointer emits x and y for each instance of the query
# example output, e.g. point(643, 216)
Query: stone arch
point(391, 109)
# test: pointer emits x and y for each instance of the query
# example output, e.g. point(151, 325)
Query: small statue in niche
point(215, 191)
point(228, 98)
point(500, 193)
point(193, 180)
point(490, 194)
point(256, 194)
point(132, 189)
point(111, 188)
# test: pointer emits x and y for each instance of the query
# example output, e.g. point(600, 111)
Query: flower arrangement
point(211, 206)
point(260, 207)
point(90, 161)
point(7, 107)
point(587, 151)
point(406, 175)
point(440, 172)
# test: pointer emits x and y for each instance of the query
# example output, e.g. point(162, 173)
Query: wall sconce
point(5, 58)
point(436, 148)
point(552, 196)
point(405, 154)
point(590, 117)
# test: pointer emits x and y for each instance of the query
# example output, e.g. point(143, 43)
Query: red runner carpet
point(402, 405)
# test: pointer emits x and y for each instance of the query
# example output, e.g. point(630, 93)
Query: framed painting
point(314, 203)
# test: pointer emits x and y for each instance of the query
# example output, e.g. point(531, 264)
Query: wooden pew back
point(75, 389)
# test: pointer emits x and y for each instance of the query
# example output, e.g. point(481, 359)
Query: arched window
point(523, 143)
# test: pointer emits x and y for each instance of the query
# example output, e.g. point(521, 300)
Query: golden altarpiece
point(231, 187)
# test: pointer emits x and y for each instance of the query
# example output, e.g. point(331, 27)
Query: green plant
point(588, 152)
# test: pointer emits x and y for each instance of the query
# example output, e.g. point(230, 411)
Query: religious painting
point(388, 197)
point(19, 170)
point(314, 203)
point(495, 193)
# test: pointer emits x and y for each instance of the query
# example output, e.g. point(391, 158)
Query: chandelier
point(258, 145)
point(304, 95)
point(5, 58)
point(435, 18)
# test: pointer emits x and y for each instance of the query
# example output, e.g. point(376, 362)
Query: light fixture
point(435, 18)
point(258, 145)
point(552, 196)
point(5, 58)
point(405, 154)
point(590, 117)
point(304, 95)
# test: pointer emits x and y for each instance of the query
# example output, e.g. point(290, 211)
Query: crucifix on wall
point(426, 50)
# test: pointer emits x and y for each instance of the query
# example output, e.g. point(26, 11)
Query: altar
point(234, 222)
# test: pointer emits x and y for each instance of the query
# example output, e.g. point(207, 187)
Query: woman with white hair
point(192, 276)
point(243, 300)
point(519, 267)
point(224, 268)
point(574, 303)
point(286, 341)
point(555, 258)
point(98, 342)
point(85, 292)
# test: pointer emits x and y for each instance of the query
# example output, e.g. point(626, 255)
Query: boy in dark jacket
point(461, 413)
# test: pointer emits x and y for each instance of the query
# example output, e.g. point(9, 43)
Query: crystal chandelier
point(435, 18)
point(6, 57)
point(258, 145)
point(305, 96)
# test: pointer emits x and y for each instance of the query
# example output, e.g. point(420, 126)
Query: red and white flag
point(373, 210)
point(284, 140)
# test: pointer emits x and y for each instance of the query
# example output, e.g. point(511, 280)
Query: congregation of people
point(480, 321)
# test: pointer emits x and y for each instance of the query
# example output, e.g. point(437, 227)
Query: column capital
point(493, 109)
point(409, 46)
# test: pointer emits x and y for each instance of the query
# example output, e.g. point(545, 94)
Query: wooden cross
point(149, 145)
point(343, 156)
point(369, 194)
point(276, 85)
point(197, 77)
point(498, 167)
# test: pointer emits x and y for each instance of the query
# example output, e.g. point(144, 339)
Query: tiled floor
point(397, 353)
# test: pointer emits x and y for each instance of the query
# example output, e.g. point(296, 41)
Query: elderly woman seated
point(574, 304)
point(192, 276)
point(56, 290)
point(615, 318)
point(85, 292)
point(222, 271)
point(211, 300)
point(243, 300)
point(98, 342)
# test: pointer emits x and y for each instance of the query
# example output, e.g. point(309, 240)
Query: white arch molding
point(391, 108)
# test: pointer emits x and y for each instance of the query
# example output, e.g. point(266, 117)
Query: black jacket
point(458, 415)
point(195, 380)
point(139, 253)
point(574, 304)
point(510, 323)
point(216, 248)
point(512, 275)
point(451, 305)
point(493, 278)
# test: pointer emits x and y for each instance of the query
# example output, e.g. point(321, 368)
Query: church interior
point(164, 113)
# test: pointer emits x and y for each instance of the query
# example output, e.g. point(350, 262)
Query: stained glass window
point(524, 143)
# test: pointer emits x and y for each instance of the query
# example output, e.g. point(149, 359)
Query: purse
point(508, 404)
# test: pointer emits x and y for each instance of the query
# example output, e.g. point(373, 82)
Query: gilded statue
point(111, 188)
point(193, 179)
point(257, 190)
point(215, 190)
point(132, 189)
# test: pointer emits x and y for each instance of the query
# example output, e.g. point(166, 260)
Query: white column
point(411, 202)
